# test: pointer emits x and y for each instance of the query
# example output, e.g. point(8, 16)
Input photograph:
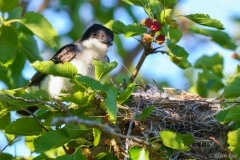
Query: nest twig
point(180, 112)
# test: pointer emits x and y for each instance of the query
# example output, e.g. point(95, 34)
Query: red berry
point(70, 150)
point(156, 26)
point(148, 22)
point(160, 39)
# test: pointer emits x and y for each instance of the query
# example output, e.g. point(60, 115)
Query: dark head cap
point(100, 32)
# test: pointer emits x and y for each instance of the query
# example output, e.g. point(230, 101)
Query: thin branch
point(147, 50)
point(9, 143)
point(36, 118)
point(32, 101)
point(130, 128)
point(103, 127)
point(139, 65)
point(43, 6)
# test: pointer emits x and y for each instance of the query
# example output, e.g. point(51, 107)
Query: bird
point(93, 45)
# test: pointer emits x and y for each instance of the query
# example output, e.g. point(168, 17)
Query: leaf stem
point(11, 21)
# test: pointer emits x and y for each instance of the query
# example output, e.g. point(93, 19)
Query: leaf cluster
point(92, 99)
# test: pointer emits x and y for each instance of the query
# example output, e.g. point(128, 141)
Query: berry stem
point(147, 50)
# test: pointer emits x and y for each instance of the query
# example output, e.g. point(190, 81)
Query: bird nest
point(181, 112)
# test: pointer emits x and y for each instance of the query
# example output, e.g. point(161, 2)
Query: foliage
point(93, 102)
point(176, 141)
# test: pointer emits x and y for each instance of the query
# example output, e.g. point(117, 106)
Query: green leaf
point(208, 81)
point(213, 63)
point(138, 153)
point(8, 35)
point(80, 98)
point(11, 103)
point(54, 139)
point(19, 127)
point(220, 37)
point(6, 5)
point(105, 155)
point(164, 13)
point(116, 26)
point(110, 103)
point(89, 82)
point(48, 67)
point(28, 46)
point(111, 94)
point(5, 79)
point(125, 94)
point(152, 8)
point(15, 13)
point(141, 3)
point(145, 114)
point(8, 39)
point(175, 34)
point(176, 141)
point(8, 55)
point(41, 27)
point(232, 90)
point(77, 155)
point(234, 125)
point(134, 30)
point(234, 142)
point(205, 20)
point(36, 94)
point(74, 130)
point(51, 140)
point(178, 55)
point(15, 71)
point(41, 157)
point(6, 156)
point(103, 68)
point(5, 119)
point(97, 134)
point(168, 3)
point(232, 114)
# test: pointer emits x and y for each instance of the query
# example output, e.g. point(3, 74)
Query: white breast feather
point(93, 50)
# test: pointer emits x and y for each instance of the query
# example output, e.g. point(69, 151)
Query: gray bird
point(93, 45)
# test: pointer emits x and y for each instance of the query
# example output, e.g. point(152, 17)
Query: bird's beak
point(109, 42)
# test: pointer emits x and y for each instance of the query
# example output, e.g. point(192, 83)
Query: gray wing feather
point(65, 54)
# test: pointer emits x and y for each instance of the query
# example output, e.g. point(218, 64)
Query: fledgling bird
point(93, 45)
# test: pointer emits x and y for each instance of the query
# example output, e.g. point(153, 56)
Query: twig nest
point(181, 112)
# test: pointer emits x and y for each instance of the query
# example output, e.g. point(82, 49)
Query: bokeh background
point(71, 17)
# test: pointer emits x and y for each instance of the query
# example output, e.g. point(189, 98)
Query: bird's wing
point(65, 54)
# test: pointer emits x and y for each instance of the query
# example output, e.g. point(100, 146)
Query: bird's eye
point(94, 34)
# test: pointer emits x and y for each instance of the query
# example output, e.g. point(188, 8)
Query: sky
point(222, 10)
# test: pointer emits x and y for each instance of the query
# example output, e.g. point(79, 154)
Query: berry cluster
point(154, 26)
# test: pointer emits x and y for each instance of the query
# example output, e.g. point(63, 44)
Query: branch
point(147, 50)
point(43, 6)
point(130, 128)
point(103, 127)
